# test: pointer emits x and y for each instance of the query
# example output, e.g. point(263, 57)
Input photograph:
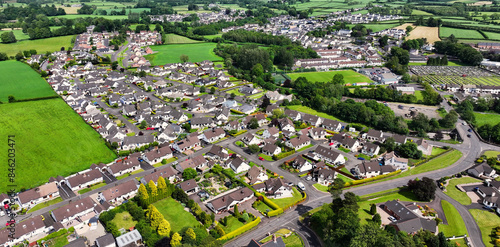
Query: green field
point(456, 194)
point(419, 12)
point(486, 222)
point(110, 17)
point(19, 80)
point(175, 214)
point(177, 39)
point(289, 200)
point(51, 139)
point(491, 154)
point(485, 80)
point(349, 76)
point(364, 205)
point(459, 33)
point(308, 110)
point(486, 118)
point(213, 36)
point(40, 45)
point(171, 53)
point(379, 26)
point(456, 225)
point(124, 220)
point(493, 36)
point(18, 33)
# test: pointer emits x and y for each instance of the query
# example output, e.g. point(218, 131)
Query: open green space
point(40, 45)
point(232, 224)
point(379, 26)
point(213, 36)
point(45, 204)
point(321, 187)
point(177, 39)
point(291, 239)
point(19, 80)
point(350, 76)
point(297, 196)
point(456, 225)
point(486, 221)
point(175, 214)
point(459, 33)
point(491, 153)
point(196, 52)
point(456, 194)
point(110, 17)
point(18, 33)
point(124, 220)
point(51, 140)
point(311, 111)
point(92, 187)
point(436, 150)
point(364, 205)
point(486, 118)
point(492, 36)
point(419, 12)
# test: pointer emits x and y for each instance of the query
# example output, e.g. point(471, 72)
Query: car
point(290, 184)
point(260, 158)
point(468, 135)
point(361, 158)
point(301, 186)
point(486, 207)
point(470, 130)
point(391, 218)
point(308, 178)
point(400, 107)
point(2, 213)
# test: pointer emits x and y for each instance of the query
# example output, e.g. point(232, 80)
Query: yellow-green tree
point(154, 216)
point(153, 189)
point(162, 186)
point(164, 228)
point(143, 194)
point(190, 235)
point(219, 230)
point(176, 240)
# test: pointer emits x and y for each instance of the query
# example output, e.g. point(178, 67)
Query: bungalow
point(217, 153)
point(317, 133)
point(372, 169)
point(399, 139)
point(248, 90)
point(27, 230)
point(238, 165)
point(270, 109)
point(132, 142)
point(370, 149)
point(257, 174)
point(178, 116)
point(325, 176)
point(482, 170)
point(271, 149)
point(247, 109)
point(407, 220)
point(223, 115)
point(105, 241)
point(277, 188)
point(250, 139)
point(424, 146)
point(198, 163)
point(298, 142)
point(189, 186)
point(350, 143)
point(261, 119)
point(312, 120)
point(81, 181)
point(74, 210)
point(286, 124)
point(114, 99)
point(227, 202)
point(271, 132)
point(329, 155)
point(213, 135)
point(119, 193)
point(129, 110)
point(168, 173)
point(186, 144)
point(374, 135)
point(393, 160)
point(30, 198)
point(123, 167)
point(301, 164)
point(157, 155)
point(233, 125)
point(294, 115)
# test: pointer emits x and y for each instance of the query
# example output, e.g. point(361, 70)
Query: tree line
point(33, 9)
point(464, 52)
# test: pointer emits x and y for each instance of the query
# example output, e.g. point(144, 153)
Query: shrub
point(240, 230)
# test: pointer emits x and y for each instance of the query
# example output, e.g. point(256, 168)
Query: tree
point(152, 188)
point(336, 188)
point(176, 240)
point(190, 235)
point(253, 124)
point(409, 29)
point(219, 230)
point(278, 113)
point(154, 216)
point(184, 58)
point(373, 209)
point(8, 37)
point(236, 211)
point(254, 148)
point(162, 186)
point(3, 56)
point(212, 90)
point(19, 56)
point(187, 127)
point(164, 228)
point(383, 41)
point(143, 124)
point(265, 102)
point(424, 189)
point(11, 98)
point(143, 193)
point(203, 89)
point(189, 173)
point(114, 65)
point(233, 95)
point(377, 219)
point(257, 70)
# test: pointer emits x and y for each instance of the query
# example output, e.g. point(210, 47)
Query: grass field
point(493, 36)
point(292, 240)
point(491, 154)
point(486, 221)
point(456, 225)
point(124, 220)
point(459, 33)
point(289, 200)
point(213, 36)
point(321, 187)
point(19, 80)
point(171, 53)
point(456, 194)
point(177, 39)
point(486, 118)
point(40, 45)
point(175, 214)
point(232, 224)
point(18, 33)
point(308, 110)
point(430, 33)
point(51, 139)
point(349, 76)
point(110, 17)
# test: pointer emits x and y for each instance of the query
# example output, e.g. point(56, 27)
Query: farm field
point(17, 32)
point(486, 222)
point(40, 45)
point(486, 118)
point(19, 80)
point(349, 76)
point(308, 110)
point(72, 17)
point(177, 39)
point(175, 214)
point(55, 142)
point(459, 33)
point(430, 33)
point(420, 12)
point(492, 35)
point(213, 36)
point(379, 26)
point(171, 53)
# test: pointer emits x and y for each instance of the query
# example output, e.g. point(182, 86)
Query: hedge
point(304, 197)
point(237, 112)
point(268, 202)
point(283, 155)
point(366, 180)
point(241, 230)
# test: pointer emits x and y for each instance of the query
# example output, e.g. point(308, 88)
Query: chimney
point(274, 238)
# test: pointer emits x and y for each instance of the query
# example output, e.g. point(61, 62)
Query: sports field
point(40, 45)
point(177, 39)
point(349, 76)
point(19, 80)
point(459, 33)
point(197, 52)
point(486, 118)
point(51, 139)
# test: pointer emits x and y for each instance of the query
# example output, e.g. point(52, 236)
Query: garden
point(488, 223)
point(456, 225)
point(459, 196)
point(291, 239)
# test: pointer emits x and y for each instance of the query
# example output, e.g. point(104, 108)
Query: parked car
point(470, 130)
point(468, 135)
point(260, 158)
point(391, 218)
point(2, 213)
point(400, 107)
point(301, 186)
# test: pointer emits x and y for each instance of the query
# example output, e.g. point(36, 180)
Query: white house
point(238, 165)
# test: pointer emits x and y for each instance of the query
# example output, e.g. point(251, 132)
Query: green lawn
point(321, 187)
point(459, 33)
point(311, 111)
point(263, 208)
point(51, 139)
point(266, 157)
point(349, 76)
point(175, 214)
point(486, 118)
point(456, 225)
point(177, 39)
point(40, 45)
point(490, 154)
point(213, 36)
point(45, 204)
point(289, 200)
point(124, 220)
point(19, 80)
point(18, 33)
point(110, 17)
point(92, 187)
point(232, 224)
point(364, 205)
point(436, 150)
point(293, 240)
point(196, 52)
point(486, 221)
point(236, 92)
point(456, 194)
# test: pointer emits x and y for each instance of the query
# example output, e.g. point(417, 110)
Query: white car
point(301, 186)
point(2, 213)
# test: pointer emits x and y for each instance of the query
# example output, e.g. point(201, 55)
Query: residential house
point(399, 139)
point(424, 146)
point(325, 176)
point(168, 173)
point(257, 174)
point(123, 167)
point(186, 144)
point(372, 169)
point(301, 164)
point(132, 238)
point(227, 202)
point(350, 143)
point(119, 193)
point(217, 153)
point(271, 149)
point(312, 120)
point(271, 132)
point(407, 218)
point(250, 139)
point(248, 90)
point(393, 160)
point(158, 154)
point(105, 241)
point(275, 242)
point(213, 135)
point(198, 163)
point(189, 186)
point(286, 124)
point(233, 125)
point(317, 133)
point(374, 135)
point(27, 230)
point(30, 198)
point(132, 142)
point(277, 188)
point(370, 149)
point(481, 171)
point(294, 115)
point(298, 142)
point(329, 155)
point(83, 208)
point(178, 116)
point(81, 181)
point(238, 165)
point(202, 122)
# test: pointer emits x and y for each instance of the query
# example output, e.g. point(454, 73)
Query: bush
point(240, 230)
point(283, 155)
